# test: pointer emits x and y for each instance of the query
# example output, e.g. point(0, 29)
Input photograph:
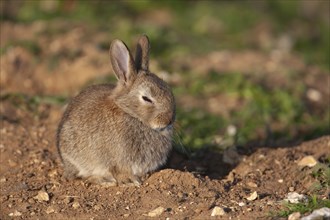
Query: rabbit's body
point(125, 131)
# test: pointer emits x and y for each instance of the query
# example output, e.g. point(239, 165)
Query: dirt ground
point(31, 182)
point(30, 165)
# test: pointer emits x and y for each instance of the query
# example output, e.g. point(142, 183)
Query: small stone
point(97, 207)
point(156, 212)
point(253, 196)
point(280, 180)
point(3, 179)
point(294, 216)
point(52, 173)
point(75, 205)
point(241, 204)
point(50, 210)
point(42, 196)
point(67, 200)
point(32, 213)
point(291, 188)
point(314, 95)
point(218, 211)
point(270, 203)
point(252, 184)
point(294, 197)
point(231, 130)
point(15, 214)
point(126, 215)
point(322, 213)
point(31, 201)
point(308, 161)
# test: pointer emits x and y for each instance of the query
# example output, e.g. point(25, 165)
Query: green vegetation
point(312, 204)
point(262, 107)
point(320, 189)
point(32, 103)
point(321, 172)
point(187, 29)
point(197, 26)
point(31, 46)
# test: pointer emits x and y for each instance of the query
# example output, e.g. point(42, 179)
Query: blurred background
point(243, 72)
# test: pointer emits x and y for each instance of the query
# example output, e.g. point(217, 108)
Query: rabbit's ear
point(122, 62)
point(142, 53)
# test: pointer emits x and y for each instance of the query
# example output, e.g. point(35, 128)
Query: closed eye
point(145, 98)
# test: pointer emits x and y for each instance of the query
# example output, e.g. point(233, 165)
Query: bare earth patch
point(32, 185)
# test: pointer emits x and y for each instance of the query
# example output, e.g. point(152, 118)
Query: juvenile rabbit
point(115, 134)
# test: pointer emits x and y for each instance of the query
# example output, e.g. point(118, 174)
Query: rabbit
point(117, 134)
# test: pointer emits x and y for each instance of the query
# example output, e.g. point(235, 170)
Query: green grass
point(31, 102)
point(196, 129)
point(197, 28)
point(313, 203)
point(262, 108)
point(31, 46)
point(320, 189)
point(321, 172)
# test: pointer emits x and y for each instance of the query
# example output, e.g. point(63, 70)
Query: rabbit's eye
point(145, 98)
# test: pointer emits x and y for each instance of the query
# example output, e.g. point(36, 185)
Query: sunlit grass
point(194, 29)
point(313, 203)
point(320, 189)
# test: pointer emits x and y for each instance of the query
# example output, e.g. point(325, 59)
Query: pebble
point(31, 201)
point(252, 184)
point(42, 196)
point(97, 207)
point(231, 130)
point(294, 197)
point(314, 95)
point(308, 161)
point(15, 214)
point(218, 211)
point(322, 213)
point(50, 210)
point(75, 205)
point(294, 216)
point(197, 211)
point(253, 196)
point(52, 173)
point(241, 204)
point(156, 212)
point(67, 200)
point(3, 179)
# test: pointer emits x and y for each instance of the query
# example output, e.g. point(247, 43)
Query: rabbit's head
point(139, 92)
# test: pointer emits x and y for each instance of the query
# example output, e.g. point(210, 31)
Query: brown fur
point(117, 134)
